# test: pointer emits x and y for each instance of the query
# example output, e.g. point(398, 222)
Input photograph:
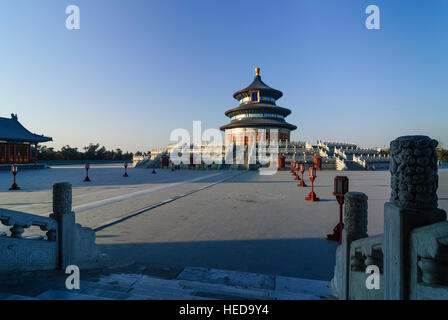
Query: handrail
point(367, 251)
point(20, 221)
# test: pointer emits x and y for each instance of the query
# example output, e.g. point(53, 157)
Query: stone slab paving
point(250, 223)
point(108, 196)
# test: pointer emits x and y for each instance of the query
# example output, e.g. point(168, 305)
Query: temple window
point(255, 96)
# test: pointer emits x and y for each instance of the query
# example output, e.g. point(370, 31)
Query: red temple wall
point(241, 136)
point(15, 153)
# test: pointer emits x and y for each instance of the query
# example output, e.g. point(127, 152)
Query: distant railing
point(340, 164)
point(80, 162)
point(360, 161)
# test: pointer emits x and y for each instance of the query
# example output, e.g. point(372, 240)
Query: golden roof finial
point(257, 72)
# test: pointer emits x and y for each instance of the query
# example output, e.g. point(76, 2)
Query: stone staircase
point(190, 284)
point(352, 165)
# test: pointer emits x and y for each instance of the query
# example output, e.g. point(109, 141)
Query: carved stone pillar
point(355, 214)
point(413, 167)
point(62, 212)
point(62, 198)
point(413, 203)
point(355, 227)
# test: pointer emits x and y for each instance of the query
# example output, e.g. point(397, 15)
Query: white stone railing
point(340, 152)
point(370, 162)
point(323, 153)
point(340, 164)
point(360, 161)
point(429, 261)
point(331, 144)
point(411, 255)
point(40, 252)
point(365, 252)
point(373, 158)
point(20, 221)
point(65, 241)
point(308, 145)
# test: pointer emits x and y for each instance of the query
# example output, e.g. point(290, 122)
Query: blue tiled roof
point(257, 84)
point(11, 129)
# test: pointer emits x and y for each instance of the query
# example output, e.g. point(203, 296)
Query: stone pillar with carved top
point(413, 203)
point(62, 212)
point(355, 227)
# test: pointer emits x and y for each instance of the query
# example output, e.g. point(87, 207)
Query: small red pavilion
point(17, 144)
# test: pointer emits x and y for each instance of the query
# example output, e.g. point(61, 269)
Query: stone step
point(228, 277)
point(67, 295)
point(10, 296)
point(352, 165)
point(286, 285)
point(191, 284)
point(150, 285)
point(240, 286)
point(147, 295)
point(206, 290)
point(255, 280)
point(318, 288)
point(156, 291)
point(119, 279)
point(106, 285)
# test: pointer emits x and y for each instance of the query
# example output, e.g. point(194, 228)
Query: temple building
point(17, 144)
point(257, 110)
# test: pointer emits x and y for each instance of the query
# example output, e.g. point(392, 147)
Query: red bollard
point(281, 161)
point(296, 172)
point(125, 170)
point(312, 196)
point(340, 189)
point(14, 170)
point(302, 170)
point(87, 179)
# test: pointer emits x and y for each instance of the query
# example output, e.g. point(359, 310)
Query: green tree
point(68, 153)
point(46, 153)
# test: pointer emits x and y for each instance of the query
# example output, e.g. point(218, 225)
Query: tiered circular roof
point(257, 84)
point(266, 108)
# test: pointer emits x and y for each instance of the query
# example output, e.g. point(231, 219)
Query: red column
point(35, 153)
point(6, 153)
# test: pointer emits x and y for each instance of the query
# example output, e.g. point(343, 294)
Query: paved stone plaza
point(235, 220)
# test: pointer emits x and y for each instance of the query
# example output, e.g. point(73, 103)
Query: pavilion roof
point(258, 84)
point(261, 107)
point(12, 130)
point(259, 123)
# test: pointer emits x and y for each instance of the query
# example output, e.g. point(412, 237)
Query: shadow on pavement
point(310, 258)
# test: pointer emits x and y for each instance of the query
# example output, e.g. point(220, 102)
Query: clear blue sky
point(138, 69)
